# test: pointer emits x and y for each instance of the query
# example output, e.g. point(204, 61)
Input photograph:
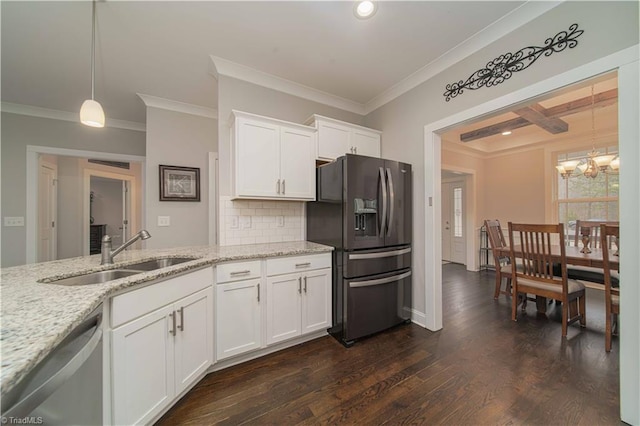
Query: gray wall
point(18, 131)
point(178, 139)
point(608, 27)
point(248, 97)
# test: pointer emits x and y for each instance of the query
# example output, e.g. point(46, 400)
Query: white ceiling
point(163, 48)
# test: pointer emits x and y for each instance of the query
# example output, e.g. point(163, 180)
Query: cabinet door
point(257, 158)
point(238, 318)
point(194, 337)
point(283, 307)
point(297, 163)
point(316, 303)
point(333, 140)
point(366, 143)
point(143, 367)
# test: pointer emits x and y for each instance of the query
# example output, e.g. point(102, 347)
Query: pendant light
point(91, 113)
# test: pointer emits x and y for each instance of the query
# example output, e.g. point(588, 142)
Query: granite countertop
point(35, 317)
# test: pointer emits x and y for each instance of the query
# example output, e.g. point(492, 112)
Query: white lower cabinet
point(298, 303)
point(238, 308)
point(157, 355)
point(238, 318)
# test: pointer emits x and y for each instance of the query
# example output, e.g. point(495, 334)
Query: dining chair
point(611, 294)
point(588, 273)
point(502, 262)
point(537, 277)
point(592, 229)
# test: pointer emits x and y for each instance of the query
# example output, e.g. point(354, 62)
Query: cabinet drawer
point(285, 265)
point(136, 303)
point(238, 271)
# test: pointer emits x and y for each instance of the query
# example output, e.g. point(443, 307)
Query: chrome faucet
point(108, 254)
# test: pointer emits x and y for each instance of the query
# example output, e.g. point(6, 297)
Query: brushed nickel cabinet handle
point(172, 315)
point(283, 187)
point(181, 326)
point(245, 272)
point(303, 265)
point(300, 285)
point(305, 284)
point(278, 186)
point(258, 292)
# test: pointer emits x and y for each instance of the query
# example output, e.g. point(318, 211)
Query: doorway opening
point(626, 64)
point(69, 202)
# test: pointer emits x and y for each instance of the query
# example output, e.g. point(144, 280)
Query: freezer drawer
point(375, 303)
point(376, 261)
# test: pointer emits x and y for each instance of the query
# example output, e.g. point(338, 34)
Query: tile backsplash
point(252, 222)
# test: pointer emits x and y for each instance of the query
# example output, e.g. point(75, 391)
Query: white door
point(297, 163)
point(283, 307)
point(238, 318)
point(47, 207)
point(143, 367)
point(194, 345)
point(258, 159)
point(316, 303)
point(365, 143)
point(453, 218)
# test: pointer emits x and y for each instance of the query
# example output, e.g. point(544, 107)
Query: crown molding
point(227, 68)
point(171, 105)
point(500, 28)
point(55, 114)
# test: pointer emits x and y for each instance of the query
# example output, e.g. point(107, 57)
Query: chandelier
point(594, 163)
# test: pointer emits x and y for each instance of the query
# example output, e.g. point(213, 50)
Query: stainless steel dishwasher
point(66, 387)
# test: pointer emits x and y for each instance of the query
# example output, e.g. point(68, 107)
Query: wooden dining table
point(573, 256)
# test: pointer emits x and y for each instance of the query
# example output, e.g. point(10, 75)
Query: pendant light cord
point(93, 47)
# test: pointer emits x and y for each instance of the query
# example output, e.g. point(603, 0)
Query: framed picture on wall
point(179, 183)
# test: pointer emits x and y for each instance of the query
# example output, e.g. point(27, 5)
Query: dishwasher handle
point(44, 390)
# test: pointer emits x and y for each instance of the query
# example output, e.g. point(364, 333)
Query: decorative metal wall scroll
point(503, 67)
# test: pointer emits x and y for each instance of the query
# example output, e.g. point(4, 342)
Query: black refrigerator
point(363, 209)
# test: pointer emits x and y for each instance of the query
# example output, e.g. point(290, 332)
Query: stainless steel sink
point(95, 277)
point(151, 265)
point(122, 272)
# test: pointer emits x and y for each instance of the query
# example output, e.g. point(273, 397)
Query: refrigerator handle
point(392, 201)
point(383, 185)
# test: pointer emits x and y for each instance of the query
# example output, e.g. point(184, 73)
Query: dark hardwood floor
point(480, 369)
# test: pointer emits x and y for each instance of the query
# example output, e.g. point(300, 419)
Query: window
point(585, 198)
point(457, 209)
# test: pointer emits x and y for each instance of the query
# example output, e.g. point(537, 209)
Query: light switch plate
point(280, 221)
point(14, 221)
point(164, 220)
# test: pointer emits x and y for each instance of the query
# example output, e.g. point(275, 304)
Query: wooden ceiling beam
point(536, 114)
point(600, 100)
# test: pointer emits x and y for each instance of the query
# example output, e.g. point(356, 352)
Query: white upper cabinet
point(272, 159)
point(336, 138)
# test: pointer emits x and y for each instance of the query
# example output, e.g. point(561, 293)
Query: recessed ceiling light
point(507, 133)
point(365, 9)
